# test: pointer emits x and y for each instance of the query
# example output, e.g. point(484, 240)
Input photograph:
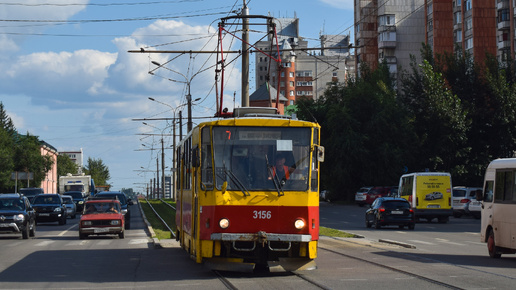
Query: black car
point(78, 199)
point(31, 192)
point(49, 207)
point(390, 211)
point(17, 215)
point(124, 201)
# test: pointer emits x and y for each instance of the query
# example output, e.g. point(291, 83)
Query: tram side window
point(178, 168)
point(186, 171)
point(315, 172)
point(206, 158)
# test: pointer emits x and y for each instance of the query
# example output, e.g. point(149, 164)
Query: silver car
point(71, 209)
point(462, 197)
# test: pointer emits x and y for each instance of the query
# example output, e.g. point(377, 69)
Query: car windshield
point(76, 195)
point(102, 207)
point(11, 204)
point(395, 204)
point(46, 200)
point(67, 200)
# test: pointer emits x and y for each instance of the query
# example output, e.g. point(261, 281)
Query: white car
point(361, 195)
point(474, 208)
point(462, 197)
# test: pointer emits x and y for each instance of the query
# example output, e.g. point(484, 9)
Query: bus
point(498, 213)
point(248, 192)
point(429, 193)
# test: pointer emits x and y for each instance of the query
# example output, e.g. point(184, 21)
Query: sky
point(68, 78)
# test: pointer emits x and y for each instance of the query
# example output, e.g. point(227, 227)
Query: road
point(445, 255)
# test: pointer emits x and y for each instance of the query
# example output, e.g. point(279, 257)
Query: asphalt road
point(445, 255)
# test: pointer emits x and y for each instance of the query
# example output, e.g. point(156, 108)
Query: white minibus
point(498, 216)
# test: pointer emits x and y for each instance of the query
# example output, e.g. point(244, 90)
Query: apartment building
point(468, 25)
point(392, 30)
point(304, 71)
point(388, 30)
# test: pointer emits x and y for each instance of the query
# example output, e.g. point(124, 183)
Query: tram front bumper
point(261, 237)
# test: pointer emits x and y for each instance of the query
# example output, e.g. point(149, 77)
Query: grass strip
point(334, 233)
point(166, 213)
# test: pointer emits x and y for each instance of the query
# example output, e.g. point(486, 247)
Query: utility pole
point(189, 100)
point(174, 169)
point(162, 167)
point(157, 176)
point(180, 125)
point(245, 56)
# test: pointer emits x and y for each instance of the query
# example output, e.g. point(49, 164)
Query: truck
point(77, 182)
point(429, 193)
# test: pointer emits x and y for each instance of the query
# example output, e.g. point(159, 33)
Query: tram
point(248, 192)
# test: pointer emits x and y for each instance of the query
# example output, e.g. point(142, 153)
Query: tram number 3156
point(262, 214)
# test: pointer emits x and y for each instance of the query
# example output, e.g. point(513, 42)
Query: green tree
point(6, 161)
point(66, 165)
point(28, 158)
point(365, 133)
point(98, 171)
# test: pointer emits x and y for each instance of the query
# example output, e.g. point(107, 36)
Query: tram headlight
point(299, 224)
point(224, 223)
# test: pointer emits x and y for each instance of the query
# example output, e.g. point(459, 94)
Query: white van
point(429, 193)
point(498, 217)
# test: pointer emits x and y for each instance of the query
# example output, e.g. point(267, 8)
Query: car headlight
point(57, 209)
point(81, 202)
point(19, 218)
point(299, 224)
point(224, 223)
point(124, 211)
point(115, 222)
point(86, 223)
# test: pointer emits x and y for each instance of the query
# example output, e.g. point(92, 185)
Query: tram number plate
point(262, 214)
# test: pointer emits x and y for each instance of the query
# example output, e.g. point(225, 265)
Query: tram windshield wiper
point(274, 177)
point(237, 181)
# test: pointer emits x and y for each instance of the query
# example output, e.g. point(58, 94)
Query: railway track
point(160, 218)
point(226, 277)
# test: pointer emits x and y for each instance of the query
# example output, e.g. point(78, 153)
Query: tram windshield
point(261, 158)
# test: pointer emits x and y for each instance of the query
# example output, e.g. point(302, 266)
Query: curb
point(150, 230)
point(405, 245)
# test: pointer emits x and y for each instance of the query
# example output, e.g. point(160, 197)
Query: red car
point(102, 217)
point(376, 192)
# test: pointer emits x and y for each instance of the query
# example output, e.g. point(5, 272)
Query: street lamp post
point(174, 110)
point(162, 163)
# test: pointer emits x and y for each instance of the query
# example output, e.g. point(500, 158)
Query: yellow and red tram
point(235, 210)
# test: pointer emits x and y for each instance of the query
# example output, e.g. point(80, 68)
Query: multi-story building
point(468, 25)
point(49, 183)
point(304, 71)
point(394, 30)
point(388, 31)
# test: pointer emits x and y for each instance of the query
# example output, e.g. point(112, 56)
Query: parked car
point(461, 199)
point(124, 202)
point(71, 208)
point(49, 207)
point(361, 195)
point(376, 192)
point(386, 211)
point(31, 192)
point(17, 215)
point(474, 208)
point(102, 217)
point(78, 199)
